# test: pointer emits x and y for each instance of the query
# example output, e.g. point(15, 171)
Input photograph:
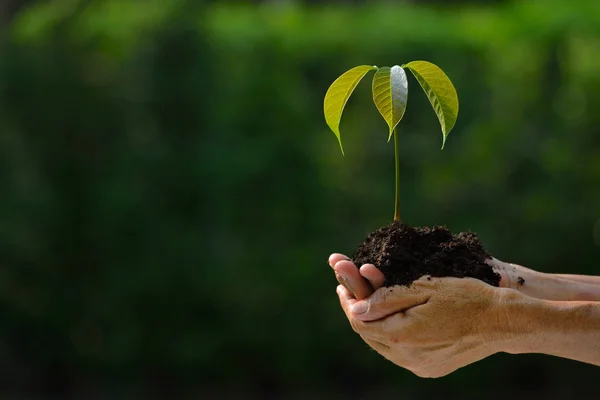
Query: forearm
point(589, 279)
point(558, 287)
point(559, 328)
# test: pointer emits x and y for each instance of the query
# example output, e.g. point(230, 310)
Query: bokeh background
point(170, 193)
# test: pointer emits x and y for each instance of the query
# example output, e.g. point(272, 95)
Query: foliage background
point(170, 192)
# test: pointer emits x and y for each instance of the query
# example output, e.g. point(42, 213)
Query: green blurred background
point(170, 193)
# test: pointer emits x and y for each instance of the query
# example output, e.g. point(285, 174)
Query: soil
point(404, 254)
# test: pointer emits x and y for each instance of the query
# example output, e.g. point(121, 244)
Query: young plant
point(390, 94)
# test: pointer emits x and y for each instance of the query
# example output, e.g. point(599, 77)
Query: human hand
point(364, 281)
point(431, 328)
point(439, 325)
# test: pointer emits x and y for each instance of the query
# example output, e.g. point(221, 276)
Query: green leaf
point(390, 93)
point(440, 92)
point(338, 94)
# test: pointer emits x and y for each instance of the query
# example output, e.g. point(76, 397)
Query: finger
point(348, 275)
point(373, 275)
point(342, 281)
point(336, 258)
point(343, 278)
point(347, 300)
point(360, 327)
point(387, 301)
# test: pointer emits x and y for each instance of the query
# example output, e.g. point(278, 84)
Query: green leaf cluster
point(390, 94)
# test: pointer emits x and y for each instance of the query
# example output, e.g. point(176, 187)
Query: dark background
point(170, 192)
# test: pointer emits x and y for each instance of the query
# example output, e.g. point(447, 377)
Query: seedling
point(390, 94)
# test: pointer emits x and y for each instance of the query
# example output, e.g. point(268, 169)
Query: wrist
point(545, 286)
point(523, 324)
point(514, 323)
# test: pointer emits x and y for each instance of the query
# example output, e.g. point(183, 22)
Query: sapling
point(390, 95)
point(401, 252)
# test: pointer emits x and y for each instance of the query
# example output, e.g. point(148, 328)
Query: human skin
point(439, 325)
point(562, 287)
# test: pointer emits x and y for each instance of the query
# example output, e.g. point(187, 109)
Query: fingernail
point(360, 307)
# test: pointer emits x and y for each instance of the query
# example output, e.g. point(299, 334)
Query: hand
point(364, 281)
point(431, 328)
point(441, 324)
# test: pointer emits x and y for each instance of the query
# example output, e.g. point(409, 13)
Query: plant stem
point(397, 159)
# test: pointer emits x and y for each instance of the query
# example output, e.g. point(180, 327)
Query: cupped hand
point(363, 281)
point(431, 328)
point(438, 325)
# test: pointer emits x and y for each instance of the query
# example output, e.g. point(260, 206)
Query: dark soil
point(404, 254)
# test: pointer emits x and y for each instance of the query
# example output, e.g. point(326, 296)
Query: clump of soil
point(404, 254)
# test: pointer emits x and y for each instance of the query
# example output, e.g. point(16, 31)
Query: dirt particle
point(520, 281)
point(404, 254)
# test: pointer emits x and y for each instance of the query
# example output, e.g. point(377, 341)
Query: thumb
point(387, 301)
